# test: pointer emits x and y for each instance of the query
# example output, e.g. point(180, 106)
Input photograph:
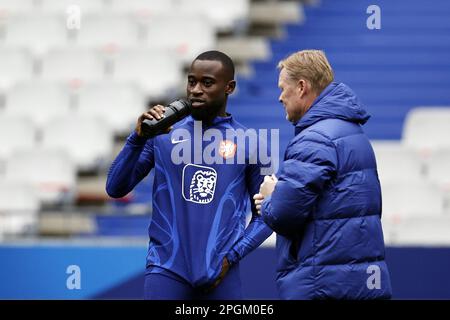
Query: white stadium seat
point(403, 201)
point(38, 101)
point(108, 31)
point(222, 14)
point(186, 35)
point(396, 163)
point(438, 169)
point(423, 232)
point(119, 104)
point(38, 33)
point(427, 129)
point(75, 65)
point(51, 171)
point(144, 8)
point(88, 140)
point(62, 6)
point(19, 206)
point(15, 133)
point(12, 7)
point(15, 65)
point(155, 71)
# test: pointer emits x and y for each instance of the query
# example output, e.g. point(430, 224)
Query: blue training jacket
point(199, 208)
point(326, 206)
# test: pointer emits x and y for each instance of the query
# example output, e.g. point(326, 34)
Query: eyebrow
point(204, 77)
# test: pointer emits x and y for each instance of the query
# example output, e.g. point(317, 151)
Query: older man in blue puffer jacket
point(326, 203)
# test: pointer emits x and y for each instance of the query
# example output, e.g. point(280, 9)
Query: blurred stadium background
point(69, 96)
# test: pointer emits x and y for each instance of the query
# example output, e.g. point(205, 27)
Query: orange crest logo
point(227, 149)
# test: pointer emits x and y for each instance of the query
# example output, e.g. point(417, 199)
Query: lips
point(197, 103)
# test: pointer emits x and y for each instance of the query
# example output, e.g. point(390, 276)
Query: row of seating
point(111, 33)
point(19, 208)
point(224, 15)
point(157, 72)
point(381, 66)
point(399, 163)
point(88, 141)
point(35, 103)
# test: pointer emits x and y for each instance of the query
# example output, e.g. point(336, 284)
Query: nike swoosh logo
point(178, 141)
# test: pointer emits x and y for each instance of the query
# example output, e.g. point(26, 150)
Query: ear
point(302, 87)
point(231, 85)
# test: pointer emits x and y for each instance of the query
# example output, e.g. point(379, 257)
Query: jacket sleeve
point(257, 230)
point(309, 164)
point(133, 163)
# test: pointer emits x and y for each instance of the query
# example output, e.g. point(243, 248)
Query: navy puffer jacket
point(326, 206)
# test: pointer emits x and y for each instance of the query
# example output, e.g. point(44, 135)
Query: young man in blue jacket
point(197, 232)
point(326, 203)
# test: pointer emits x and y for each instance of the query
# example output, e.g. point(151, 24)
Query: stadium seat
point(38, 101)
point(15, 65)
point(15, 133)
point(421, 232)
point(403, 201)
point(155, 71)
point(395, 163)
point(438, 169)
point(223, 14)
point(119, 104)
point(19, 206)
point(108, 32)
point(11, 7)
point(61, 6)
point(38, 33)
point(142, 8)
point(438, 172)
point(186, 35)
point(51, 171)
point(74, 65)
point(88, 140)
point(427, 129)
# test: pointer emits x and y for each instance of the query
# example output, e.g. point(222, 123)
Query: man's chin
point(199, 115)
point(203, 116)
point(292, 119)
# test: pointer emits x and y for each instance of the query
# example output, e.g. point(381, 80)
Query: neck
point(310, 100)
point(222, 111)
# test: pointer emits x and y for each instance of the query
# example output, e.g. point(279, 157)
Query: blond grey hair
point(311, 65)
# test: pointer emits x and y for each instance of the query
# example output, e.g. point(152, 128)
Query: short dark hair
point(215, 55)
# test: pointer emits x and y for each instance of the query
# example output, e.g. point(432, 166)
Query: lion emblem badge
point(199, 183)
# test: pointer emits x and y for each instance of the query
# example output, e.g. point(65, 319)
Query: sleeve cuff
point(264, 205)
point(136, 140)
point(232, 257)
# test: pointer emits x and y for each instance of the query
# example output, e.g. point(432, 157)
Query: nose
point(197, 90)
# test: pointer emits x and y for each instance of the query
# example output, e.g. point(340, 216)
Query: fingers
point(270, 178)
point(157, 112)
point(258, 196)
